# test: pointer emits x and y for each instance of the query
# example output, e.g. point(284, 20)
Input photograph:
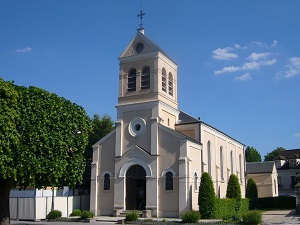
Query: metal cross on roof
point(141, 14)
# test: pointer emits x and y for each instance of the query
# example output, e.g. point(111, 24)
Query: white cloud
point(297, 135)
point(293, 67)
point(257, 56)
point(274, 44)
point(224, 54)
point(246, 66)
point(237, 46)
point(243, 77)
point(23, 50)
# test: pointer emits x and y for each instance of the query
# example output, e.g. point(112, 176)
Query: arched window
point(221, 163)
point(196, 181)
point(164, 80)
point(106, 182)
point(231, 162)
point(145, 78)
point(131, 80)
point(170, 86)
point(241, 173)
point(209, 157)
point(169, 181)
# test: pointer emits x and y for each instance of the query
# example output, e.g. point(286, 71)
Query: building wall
point(285, 185)
point(266, 186)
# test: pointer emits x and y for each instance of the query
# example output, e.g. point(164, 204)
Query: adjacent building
point(265, 176)
point(288, 167)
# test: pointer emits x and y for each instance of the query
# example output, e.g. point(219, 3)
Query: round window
point(139, 47)
point(137, 127)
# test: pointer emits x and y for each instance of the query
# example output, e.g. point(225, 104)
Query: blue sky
point(238, 61)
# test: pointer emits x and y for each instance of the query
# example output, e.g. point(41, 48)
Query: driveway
point(280, 217)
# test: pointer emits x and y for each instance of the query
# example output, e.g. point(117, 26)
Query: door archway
point(136, 188)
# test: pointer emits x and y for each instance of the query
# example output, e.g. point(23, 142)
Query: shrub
point(190, 217)
point(281, 202)
point(226, 207)
point(54, 214)
point(206, 197)
point(76, 212)
point(252, 194)
point(86, 214)
point(234, 190)
point(132, 216)
point(252, 217)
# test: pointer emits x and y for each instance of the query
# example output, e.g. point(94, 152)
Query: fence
point(37, 208)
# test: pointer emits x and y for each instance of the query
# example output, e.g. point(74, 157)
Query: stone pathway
point(280, 217)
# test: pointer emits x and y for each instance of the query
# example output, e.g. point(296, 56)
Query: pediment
point(137, 151)
point(140, 45)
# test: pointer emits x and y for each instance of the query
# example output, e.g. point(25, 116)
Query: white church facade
point(154, 158)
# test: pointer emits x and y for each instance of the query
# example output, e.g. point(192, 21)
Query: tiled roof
point(186, 118)
point(289, 153)
point(259, 167)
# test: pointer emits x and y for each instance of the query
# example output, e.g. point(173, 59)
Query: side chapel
point(154, 158)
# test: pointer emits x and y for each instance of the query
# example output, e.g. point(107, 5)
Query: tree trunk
point(5, 187)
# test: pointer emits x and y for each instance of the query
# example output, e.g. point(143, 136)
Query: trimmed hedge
point(54, 214)
point(281, 202)
point(252, 217)
point(207, 197)
point(225, 207)
point(190, 217)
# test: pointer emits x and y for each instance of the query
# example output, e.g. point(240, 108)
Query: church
point(154, 158)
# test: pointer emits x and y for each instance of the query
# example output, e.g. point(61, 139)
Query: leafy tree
point(252, 155)
point(100, 128)
point(234, 190)
point(271, 155)
point(43, 138)
point(9, 140)
point(252, 194)
point(206, 197)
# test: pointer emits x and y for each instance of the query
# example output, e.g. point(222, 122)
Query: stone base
point(147, 214)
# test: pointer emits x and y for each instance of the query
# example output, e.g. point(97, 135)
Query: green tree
point(252, 155)
point(206, 197)
point(49, 135)
point(252, 194)
point(9, 140)
point(234, 190)
point(101, 126)
point(271, 155)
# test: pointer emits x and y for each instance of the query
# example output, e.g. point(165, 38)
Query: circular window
point(139, 47)
point(137, 127)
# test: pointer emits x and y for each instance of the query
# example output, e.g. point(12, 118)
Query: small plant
point(190, 217)
point(76, 212)
point(252, 217)
point(86, 214)
point(164, 220)
point(132, 216)
point(54, 214)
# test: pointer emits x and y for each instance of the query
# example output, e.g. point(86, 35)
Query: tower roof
point(149, 46)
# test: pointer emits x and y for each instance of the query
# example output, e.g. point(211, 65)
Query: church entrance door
point(136, 188)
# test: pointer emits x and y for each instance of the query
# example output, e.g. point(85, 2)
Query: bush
point(54, 214)
point(76, 212)
point(252, 194)
point(281, 202)
point(132, 216)
point(234, 191)
point(206, 197)
point(226, 207)
point(190, 217)
point(252, 217)
point(86, 214)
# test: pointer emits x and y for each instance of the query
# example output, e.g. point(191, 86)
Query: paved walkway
point(280, 217)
